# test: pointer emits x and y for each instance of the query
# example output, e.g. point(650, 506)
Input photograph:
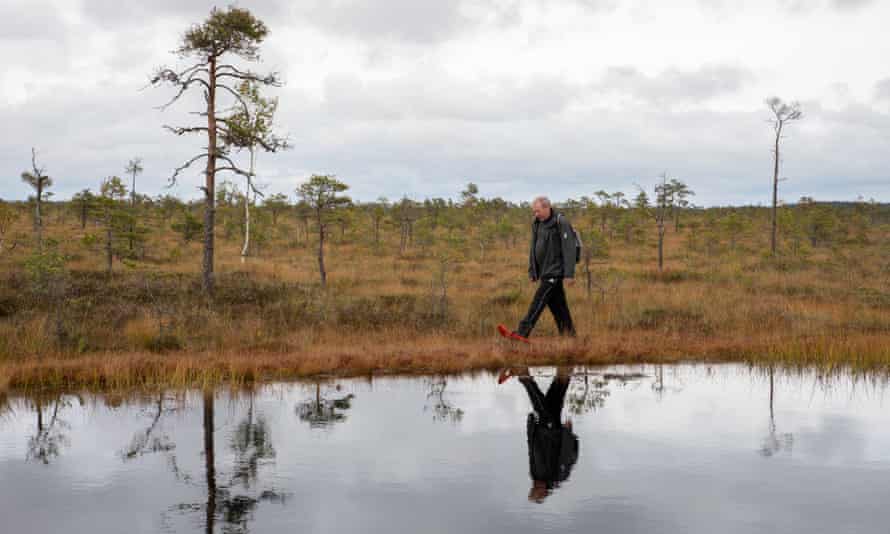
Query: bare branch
point(180, 130)
point(230, 67)
point(269, 79)
point(191, 80)
point(183, 167)
point(235, 170)
point(174, 99)
point(175, 78)
point(38, 171)
point(236, 95)
point(253, 187)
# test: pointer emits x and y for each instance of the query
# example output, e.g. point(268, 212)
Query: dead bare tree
point(133, 168)
point(40, 182)
point(664, 198)
point(406, 213)
point(783, 113)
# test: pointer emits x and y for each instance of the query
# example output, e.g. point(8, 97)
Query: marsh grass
point(149, 324)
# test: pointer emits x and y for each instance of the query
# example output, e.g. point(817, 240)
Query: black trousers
point(549, 406)
point(551, 294)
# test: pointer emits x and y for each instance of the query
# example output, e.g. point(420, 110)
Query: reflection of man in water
point(552, 447)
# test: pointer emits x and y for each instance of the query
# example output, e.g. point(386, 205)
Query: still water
point(649, 449)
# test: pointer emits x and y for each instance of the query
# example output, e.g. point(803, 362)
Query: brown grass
point(379, 314)
point(359, 355)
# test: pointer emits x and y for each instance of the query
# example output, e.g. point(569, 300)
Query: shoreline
point(426, 355)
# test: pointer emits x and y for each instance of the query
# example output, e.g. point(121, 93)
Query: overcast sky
point(419, 97)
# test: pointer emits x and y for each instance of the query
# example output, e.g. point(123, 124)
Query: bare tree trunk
point(660, 245)
point(771, 394)
point(210, 182)
point(209, 463)
point(39, 417)
point(132, 228)
point(774, 223)
point(109, 256)
point(403, 242)
point(38, 220)
point(321, 231)
point(246, 247)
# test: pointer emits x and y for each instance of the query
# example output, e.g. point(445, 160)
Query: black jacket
point(552, 253)
point(552, 451)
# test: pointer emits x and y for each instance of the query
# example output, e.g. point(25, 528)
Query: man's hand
point(532, 279)
point(570, 282)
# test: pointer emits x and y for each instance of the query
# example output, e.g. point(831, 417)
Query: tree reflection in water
point(49, 436)
point(587, 393)
point(231, 498)
point(153, 438)
point(252, 445)
point(437, 403)
point(658, 385)
point(234, 502)
point(321, 412)
point(774, 442)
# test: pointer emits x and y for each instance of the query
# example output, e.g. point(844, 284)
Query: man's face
point(542, 213)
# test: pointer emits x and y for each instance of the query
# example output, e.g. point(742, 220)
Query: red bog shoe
point(517, 337)
point(506, 374)
point(509, 334)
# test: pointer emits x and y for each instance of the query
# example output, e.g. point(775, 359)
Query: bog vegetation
point(418, 285)
point(113, 286)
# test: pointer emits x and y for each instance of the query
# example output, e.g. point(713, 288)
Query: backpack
point(577, 239)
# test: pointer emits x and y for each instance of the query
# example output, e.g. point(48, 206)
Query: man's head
point(541, 208)
point(538, 492)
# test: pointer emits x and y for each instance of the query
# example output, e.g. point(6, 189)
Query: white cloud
point(675, 85)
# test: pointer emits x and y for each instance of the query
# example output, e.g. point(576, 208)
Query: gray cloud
point(115, 13)
point(850, 4)
point(800, 7)
point(436, 96)
point(28, 21)
point(417, 21)
point(882, 89)
point(424, 22)
point(430, 145)
point(675, 85)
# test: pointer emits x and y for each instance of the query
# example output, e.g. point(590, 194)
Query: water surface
point(659, 449)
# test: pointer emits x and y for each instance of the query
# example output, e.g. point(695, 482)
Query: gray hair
point(543, 200)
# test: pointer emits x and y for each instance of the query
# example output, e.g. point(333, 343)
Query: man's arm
point(531, 257)
point(567, 238)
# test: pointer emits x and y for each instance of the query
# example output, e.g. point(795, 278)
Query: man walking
point(551, 262)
